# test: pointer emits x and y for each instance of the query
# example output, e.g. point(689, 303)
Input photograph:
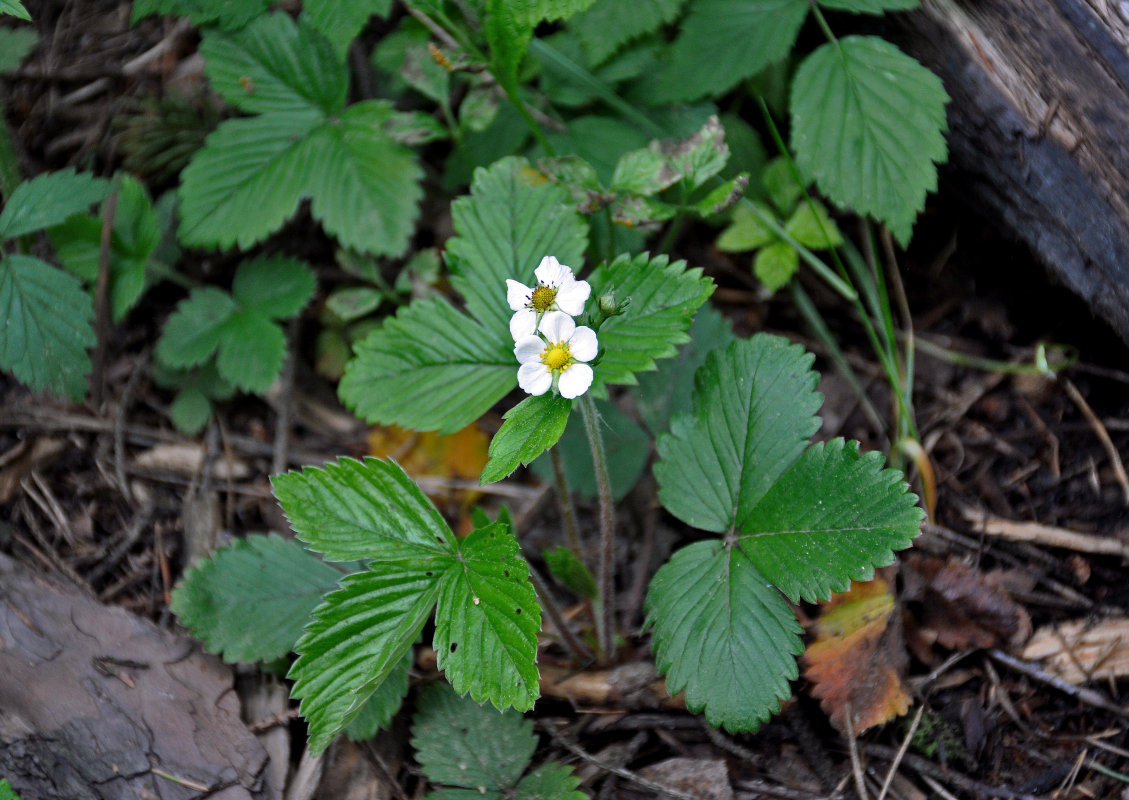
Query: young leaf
point(48, 200)
point(530, 428)
point(275, 64)
point(461, 743)
point(567, 568)
point(487, 620)
point(251, 351)
point(15, 8)
point(812, 226)
point(775, 265)
point(512, 219)
point(408, 371)
point(357, 636)
point(354, 510)
point(47, 325)
point(723, 42)
point(381, 707)
point(746, 231)
point(225, 599)
point(194, 330)
point(722, 635)
point(664, 297)
point(866, 98)
point(830, 519)
point(274, 286)
point(870, 6)
point(754, 411)
point(608, 24)
point(190, 410)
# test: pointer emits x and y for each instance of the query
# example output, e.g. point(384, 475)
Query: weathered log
point(96, 703)
point(1039, 128)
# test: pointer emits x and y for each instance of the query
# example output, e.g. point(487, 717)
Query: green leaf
point(226, 14)
point(15, 8)
point(353, 303)
point(369, 509)
point(608, 24)
point(274, 286)
point(341, 22)
point(754, 411)
point(530, 428)
point(49, 199)
point(667, 391)
point(6, 790)
point(722, 42)
point(47, 326)
point(868, 126)
point(746, 231)
point(722, 635)
point(194, 330)
point(829, 520)
point(461, 743)
point(780, 184)
point(693, 160)
point(190, 410)
point(549, 782)
point(356, 638)
point(15, 45)
point(275, 64)
point(567, 568)
point(664, 297)
point(812, 226)
point(487, 620)
point(408, 371)
point(870, 6)
point(225, 599)
point(508, 33)
point(385, 702)
point(251, 351)
point(775, 265)
point(512, 219)
point(535, 11)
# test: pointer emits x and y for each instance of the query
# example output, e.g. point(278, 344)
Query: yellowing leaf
point(858, 657)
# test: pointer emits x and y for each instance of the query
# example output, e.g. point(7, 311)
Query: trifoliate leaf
point(251, 351)
point(723, 635)
point(487, 621)
point(567, 568)
point(47, 326)
point(408, 371)
point(664, 297)
point(812, 226)
point(15, 8)
point(357, 636)
point(274, 286)
point(194, 330)
point(775, 265)
point(611, 23)
point(530, 428)
point(667, 391)
point(341, 22)
point(512, 219)
point(15, 45)
point(49, 199)
point(385, 702)
point(722, 42)
point(870, 6)
point(868, 126)
point(830, 519)
point(549, 782)
point(754, 411)
point(461, 743)
point(746, 231)
point(225, 599)
point(275, 64)
point(369, 509)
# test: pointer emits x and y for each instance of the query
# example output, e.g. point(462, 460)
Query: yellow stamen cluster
point(542, 298)
point(557, 357)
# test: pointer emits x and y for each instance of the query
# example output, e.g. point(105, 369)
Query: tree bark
point(1039, 128)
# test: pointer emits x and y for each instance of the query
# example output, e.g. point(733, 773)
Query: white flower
point(557, 289)
point(558, 355)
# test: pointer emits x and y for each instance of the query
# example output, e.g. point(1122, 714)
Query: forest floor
point(1011, 626)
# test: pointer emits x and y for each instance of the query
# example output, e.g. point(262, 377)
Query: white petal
point(529, 348)
point(572, 297)
point(523, 323)
point(575, 380)
point(551, 272)
point(583, 344)
point(535, 377)
point(557, 326)
point(517, 294)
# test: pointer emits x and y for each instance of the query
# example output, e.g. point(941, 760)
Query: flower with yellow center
point(557, 289)
point(557, 355)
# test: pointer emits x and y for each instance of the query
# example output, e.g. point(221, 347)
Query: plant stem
point(580, 653)
point(564, 497)
point(605, 622)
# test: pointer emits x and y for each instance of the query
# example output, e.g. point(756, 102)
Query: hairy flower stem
point(605, 622)
point(580, 653)
point(564, 497)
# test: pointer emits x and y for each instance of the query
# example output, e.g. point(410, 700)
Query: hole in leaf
point(517, 610)
point(429, 573)
point(454, 646)
point(506, 572)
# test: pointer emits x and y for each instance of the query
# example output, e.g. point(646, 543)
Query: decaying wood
point(1038, 122)
point(96, 703)
point(1081, 651)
